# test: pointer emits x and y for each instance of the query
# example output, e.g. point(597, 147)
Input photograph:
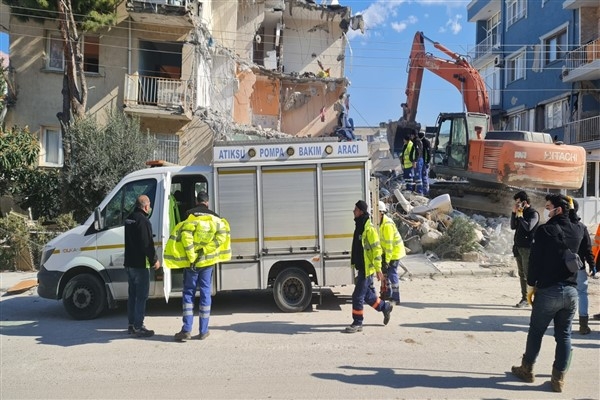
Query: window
point(123, 202)
point(492, 29)
point(515, 10)
point(556, 114)
point(91, 53)
point(518, 121)
point(515, 68)
point(51, 154)
point(555, 47)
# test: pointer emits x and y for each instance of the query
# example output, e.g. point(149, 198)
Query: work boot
point(130, 329)
point(524, 371)
point(584, 328)
point(387, 313)
point(202, 336)
point(143, 332)
point(353, 329)
point(558, 380)
point(182, 336)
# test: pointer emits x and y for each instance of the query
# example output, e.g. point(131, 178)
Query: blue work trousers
point(364, 292)
point(425, 178)
point(393, 281)
point(407, 175)
point(556, 303)
point(201, 279)
point(417, 171)
point(139, 285)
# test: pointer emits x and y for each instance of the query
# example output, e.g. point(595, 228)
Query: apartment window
point(515, 10)
point(555, 46)
point(52, 148)
point(515, 67)
point(557, 114)
point(519, 121)
point(91, 53)
point(492, 29)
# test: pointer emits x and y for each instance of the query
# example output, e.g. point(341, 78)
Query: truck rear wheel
point(292, 290)
point(84, 297)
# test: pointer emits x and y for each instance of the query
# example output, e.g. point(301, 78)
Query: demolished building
point(192, 72)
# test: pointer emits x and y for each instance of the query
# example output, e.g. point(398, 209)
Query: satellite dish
point(258, 39)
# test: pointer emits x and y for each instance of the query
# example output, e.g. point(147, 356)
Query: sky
point(376, 62)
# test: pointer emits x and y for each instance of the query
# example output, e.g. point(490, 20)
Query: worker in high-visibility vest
point(407, 164)
point(196, 245)
point(393, 250)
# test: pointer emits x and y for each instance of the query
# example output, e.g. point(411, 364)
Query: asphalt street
point(455, 335)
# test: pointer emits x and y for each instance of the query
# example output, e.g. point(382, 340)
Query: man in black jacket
point(139, 252)
point(523, 220)
point(554, 288)
point(426, 160)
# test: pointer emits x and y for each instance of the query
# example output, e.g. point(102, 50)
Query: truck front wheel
point(84, 297)
point(292, 290)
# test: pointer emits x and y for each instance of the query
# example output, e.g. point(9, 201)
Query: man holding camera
point(524, 221)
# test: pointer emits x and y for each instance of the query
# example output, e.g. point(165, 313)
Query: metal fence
point(583, 130)
point(167, 148)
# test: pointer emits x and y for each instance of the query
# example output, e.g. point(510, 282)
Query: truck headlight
point(46, 255)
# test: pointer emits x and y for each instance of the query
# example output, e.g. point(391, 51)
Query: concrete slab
point(418, 264)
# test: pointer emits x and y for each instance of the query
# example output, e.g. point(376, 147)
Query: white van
point(288, 202)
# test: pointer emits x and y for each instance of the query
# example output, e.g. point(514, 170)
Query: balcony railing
point(584, 130)
point(486, 46)
point(157, 92)
point(583, 55)
point(167, 148)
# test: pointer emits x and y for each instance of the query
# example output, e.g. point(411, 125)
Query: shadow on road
point(395, 378)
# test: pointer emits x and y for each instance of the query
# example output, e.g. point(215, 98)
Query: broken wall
point(196, 143)
point(302, 105)
point(312, 36)
point(242, 110)
point(249, 19)
point(265, 102)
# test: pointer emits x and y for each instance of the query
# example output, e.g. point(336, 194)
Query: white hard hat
point(382, 207)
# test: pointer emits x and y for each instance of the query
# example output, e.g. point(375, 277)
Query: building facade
point(192, 72)
point(541, 63)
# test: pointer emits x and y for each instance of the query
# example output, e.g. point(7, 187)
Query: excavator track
point(485, 199)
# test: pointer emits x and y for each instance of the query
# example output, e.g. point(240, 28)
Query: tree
point(101, 156)
point(29, 186)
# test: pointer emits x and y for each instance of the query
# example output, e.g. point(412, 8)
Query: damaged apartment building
point(192, 71)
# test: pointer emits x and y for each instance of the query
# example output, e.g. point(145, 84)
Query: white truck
point(289, 204)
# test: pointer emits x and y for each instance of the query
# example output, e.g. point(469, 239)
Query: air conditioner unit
point(498, 61)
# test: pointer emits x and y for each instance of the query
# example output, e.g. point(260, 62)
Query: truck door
point(110, 242)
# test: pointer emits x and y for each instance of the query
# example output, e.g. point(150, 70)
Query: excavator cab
point(454, 133)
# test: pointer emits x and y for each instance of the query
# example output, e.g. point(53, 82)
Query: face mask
point(547, 213)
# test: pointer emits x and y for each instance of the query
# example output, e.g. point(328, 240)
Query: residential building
point(192, 72)
point(541, 63)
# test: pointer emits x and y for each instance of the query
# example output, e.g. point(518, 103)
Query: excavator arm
point(455, 70)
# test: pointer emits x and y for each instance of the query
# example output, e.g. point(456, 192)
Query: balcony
point(583, 63)
point(576, 4)
point(583, 131)
point(486, 48)
point(161, 97)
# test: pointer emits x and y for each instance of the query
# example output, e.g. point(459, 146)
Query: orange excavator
point(484, 157)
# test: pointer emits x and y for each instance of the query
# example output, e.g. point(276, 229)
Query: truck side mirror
point(98, 222)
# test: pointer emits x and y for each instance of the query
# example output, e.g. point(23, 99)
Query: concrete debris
point(423, 222)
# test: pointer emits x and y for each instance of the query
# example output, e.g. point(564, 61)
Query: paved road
point(453, 337)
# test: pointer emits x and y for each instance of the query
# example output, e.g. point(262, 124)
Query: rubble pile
point(424, 225)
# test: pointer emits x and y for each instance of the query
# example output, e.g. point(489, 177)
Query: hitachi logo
point(559, 156)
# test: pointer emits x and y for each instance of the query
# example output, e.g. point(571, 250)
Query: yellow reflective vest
point(391, 241)
point(371, 249)
point(406, 162)
point(199, 241)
